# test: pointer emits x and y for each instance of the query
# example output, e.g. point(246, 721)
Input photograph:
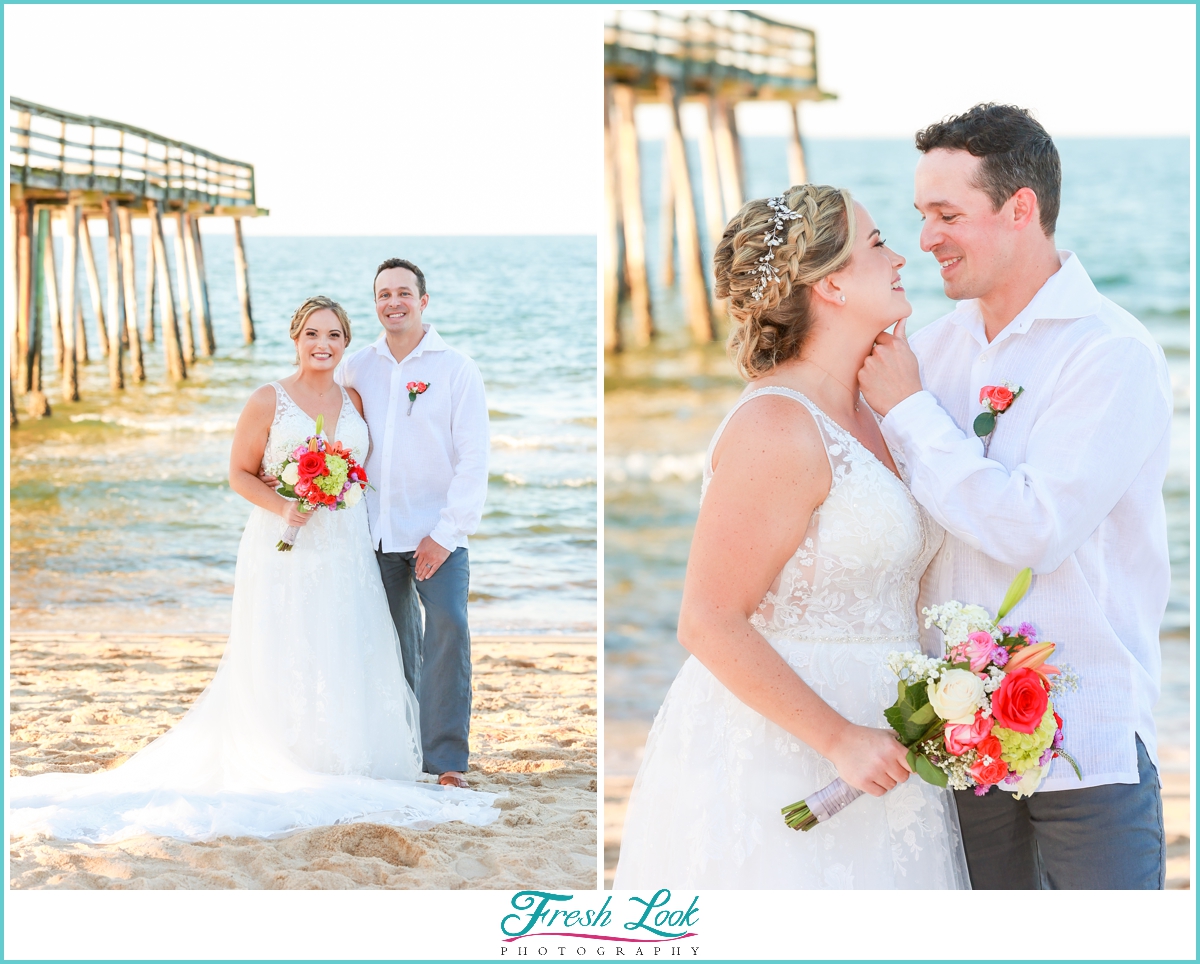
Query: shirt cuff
point(444, 536)
point(917, 417)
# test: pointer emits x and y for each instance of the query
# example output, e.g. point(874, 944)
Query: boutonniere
point(415, 389)
point(997, 399)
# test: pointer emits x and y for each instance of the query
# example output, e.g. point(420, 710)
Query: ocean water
point(121, 513)
point(1125, 211)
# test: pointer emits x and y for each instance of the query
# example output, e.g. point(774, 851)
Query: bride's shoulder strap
point(817, 414)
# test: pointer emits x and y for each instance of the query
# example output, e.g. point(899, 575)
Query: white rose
point(1030, 780)
point(290, 475)
point(354, 495)
point(957, 695)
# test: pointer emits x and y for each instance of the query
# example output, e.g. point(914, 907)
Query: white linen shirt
point(1071, 486)
point(428, 468)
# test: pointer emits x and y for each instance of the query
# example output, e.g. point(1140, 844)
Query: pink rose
point(960, 737)
point(979, 649)
point(999, 396)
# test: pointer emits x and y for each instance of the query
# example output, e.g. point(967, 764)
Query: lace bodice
point(856, 572)
point(291, 427)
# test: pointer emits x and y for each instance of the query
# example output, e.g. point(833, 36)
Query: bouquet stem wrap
point(289, 539)
point(821, 805)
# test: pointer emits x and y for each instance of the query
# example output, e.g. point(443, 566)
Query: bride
point(309, 720)
point(802, 576)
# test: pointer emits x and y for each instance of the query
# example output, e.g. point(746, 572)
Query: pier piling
point(613, 232)
point(151, 278)
point(185, 299)
point(38, 406)
point(116, 301)
point(630, 177)
point(717, 58)
point(129, 283)
point(53, 312)
point(695, 294)
point(94, 292)
point(69, 369)
point(20, 360)
point(172, 347)
point(242, 271)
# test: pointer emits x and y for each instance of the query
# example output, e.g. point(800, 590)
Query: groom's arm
point(1108, 414)
point(470, 437)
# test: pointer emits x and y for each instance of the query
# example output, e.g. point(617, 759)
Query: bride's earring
point(843, 299)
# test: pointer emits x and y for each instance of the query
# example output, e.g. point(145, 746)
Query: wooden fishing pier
point(71, 169)
point(716, 58)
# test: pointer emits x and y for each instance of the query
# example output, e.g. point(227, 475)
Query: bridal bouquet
point(320, 473)
point(978, 717)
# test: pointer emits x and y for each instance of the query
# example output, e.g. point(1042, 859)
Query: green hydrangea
point(1023, 750)
point(332, 483)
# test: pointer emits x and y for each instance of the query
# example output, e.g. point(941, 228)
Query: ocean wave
point(647, 466)
point(574, 442)
point(511, 478)
point(161, 426)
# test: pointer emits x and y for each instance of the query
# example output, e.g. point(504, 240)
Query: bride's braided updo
point(810, 234)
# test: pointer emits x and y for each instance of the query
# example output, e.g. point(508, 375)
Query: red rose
point(1020, 702)
point(998, 395)
point(960, 737)
point(989, 768)
point(1057, 721)
point(310, 464)
point(421, 386)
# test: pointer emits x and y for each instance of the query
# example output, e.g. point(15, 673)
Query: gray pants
point(1098, 838)
point(437, 660)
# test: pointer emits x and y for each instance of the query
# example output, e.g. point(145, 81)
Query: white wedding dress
point(705, 808)
point(309, 720)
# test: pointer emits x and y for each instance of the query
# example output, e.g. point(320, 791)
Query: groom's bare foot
point(452, 778)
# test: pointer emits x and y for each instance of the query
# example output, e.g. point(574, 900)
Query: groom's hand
point(890, 373)
point(429, 558)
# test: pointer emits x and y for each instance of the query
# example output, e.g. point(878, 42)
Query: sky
point(1085, 70)
point(394, 120)
point(359, 120)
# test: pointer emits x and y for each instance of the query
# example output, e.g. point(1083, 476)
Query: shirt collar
point(430, 341)
point(1067, 294)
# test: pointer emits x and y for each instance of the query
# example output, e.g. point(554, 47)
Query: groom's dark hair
point(401, 263)
point(1016, 150)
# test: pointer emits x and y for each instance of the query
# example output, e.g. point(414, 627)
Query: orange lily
point(1034, 658)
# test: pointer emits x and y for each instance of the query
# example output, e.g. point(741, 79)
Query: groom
point(1070, 484)
point(425, 408)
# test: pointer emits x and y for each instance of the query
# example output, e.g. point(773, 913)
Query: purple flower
point(982, 789)
point(1046, 757)
point(1000, 656)
point(1006, 630)
point(1030, 634)
point(1058, 740)
point(1013, 778)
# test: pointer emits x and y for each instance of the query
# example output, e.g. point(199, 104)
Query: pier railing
point(709, 50)
point(55, 150)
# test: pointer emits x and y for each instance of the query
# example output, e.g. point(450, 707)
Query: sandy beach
point(82, 702)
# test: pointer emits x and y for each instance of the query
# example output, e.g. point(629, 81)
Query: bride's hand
point(869, 759)
point(292, 515)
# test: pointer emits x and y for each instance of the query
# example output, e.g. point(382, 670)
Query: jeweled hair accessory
point(767, 274)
